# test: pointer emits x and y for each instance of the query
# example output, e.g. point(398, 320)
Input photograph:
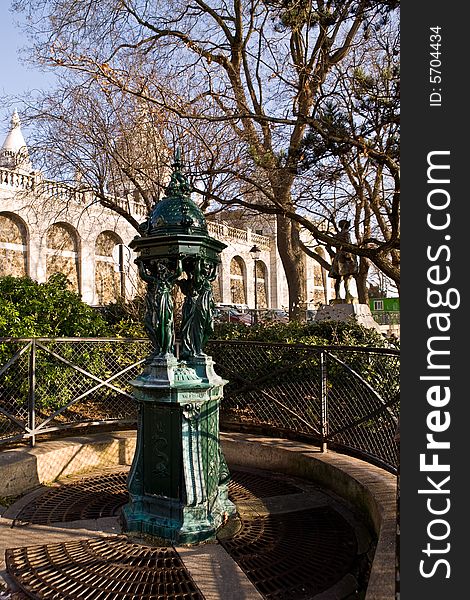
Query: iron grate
point(90, 497)
point(103, 495)
point(245, 485)
point(102, 569)
point(294, 555)
point(289, 555)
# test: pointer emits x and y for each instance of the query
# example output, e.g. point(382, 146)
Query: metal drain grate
point(294, 555)
point(101, 569)
point(103, 495)
point(286, 556)
point(246, 485)
point(85, 498)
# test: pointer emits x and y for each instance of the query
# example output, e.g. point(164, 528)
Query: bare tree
point(102, 141)
point(257, 71)
point(352, 151)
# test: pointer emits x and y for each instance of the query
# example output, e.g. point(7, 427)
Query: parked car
point(230, 315)
point(238, 307)
point(238, 317)
point(271, 315)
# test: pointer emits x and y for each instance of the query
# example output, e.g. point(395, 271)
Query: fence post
point(32, 393)
point(324, 402)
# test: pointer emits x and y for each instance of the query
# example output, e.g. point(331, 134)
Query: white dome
point(14, 152)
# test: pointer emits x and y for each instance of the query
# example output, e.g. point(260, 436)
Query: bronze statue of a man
point(344, 265)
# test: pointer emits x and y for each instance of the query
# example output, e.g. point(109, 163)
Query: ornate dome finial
point(15, 119)
point(175, 213)
point(177, 162)
point(178, 186)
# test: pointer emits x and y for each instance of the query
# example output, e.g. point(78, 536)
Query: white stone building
point(46, 227)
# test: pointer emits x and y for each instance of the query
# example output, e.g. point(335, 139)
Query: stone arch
point(238, 280)
point(14, 239)
point(262, 284)
point(63, 253)
point(109, 268)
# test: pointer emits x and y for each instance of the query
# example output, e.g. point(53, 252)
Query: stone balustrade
point(15, 180)
point(222, 231)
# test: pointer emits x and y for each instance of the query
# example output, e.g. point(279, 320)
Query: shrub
point(31, 309)
point(323, 333)
point(125, 319)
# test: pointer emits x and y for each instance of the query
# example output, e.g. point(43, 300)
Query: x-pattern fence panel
point(342, 396)
point(274, 385)
point(49, 384)
point(14, 387)
point(363, 402)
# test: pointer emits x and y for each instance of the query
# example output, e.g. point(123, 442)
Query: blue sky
point(16, 77)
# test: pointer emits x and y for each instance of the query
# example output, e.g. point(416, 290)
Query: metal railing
point(341, 397)
point(49, 384)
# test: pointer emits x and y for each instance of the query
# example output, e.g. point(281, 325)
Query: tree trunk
point(361, 280)
point(293, 261)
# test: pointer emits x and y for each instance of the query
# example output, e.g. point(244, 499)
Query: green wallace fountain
point(178, 482)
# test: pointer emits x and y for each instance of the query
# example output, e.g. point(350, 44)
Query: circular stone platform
point(292, 541)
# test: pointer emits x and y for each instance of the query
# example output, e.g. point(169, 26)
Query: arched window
point(13, 245)
point(62, 254)
point(109, 268)
point(261, 284)
point(237, 280)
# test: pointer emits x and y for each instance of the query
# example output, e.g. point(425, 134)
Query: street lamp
point(233, 291)
point(255, 251)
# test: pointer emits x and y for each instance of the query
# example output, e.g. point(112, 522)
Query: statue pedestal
point(178, 483)
point(342, 311)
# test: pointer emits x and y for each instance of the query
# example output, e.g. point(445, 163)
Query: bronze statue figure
point(344, 264)
point(189, 288)
point(205, 306)
point(197, 322)
point(159, 321)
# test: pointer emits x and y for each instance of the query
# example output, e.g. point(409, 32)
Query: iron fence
point(50, 384)
point(337, 396)
point(340, 396)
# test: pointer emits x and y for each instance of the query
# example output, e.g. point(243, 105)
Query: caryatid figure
point(159, 319)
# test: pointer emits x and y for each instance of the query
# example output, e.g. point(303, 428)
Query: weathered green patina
point(178, 479)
